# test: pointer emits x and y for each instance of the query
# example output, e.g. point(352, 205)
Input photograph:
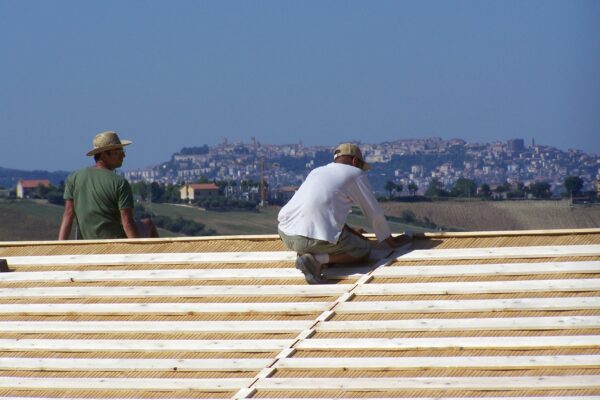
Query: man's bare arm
point(67, 221)
point(129, 223)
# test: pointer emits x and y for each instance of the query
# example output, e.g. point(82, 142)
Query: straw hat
point(350, 149)
point(105, 141)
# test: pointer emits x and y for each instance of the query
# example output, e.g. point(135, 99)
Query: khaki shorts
point(348, 243)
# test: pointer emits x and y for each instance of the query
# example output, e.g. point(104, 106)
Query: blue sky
point(168, 74)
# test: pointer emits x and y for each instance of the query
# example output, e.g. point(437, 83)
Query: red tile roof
point(33, 183)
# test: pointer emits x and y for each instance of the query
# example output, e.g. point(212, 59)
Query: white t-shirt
point(320, 207)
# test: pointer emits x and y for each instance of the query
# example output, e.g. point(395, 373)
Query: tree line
point(468, 188)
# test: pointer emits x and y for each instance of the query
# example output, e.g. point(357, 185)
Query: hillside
point(37, 220)
point(502, 215)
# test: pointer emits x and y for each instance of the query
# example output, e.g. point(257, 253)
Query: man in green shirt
point(100, 201)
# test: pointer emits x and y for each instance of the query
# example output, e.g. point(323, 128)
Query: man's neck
point(102, 165)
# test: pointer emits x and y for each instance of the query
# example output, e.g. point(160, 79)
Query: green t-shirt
point(98, 196)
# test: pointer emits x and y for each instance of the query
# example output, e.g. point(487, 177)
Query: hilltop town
point(405, 161)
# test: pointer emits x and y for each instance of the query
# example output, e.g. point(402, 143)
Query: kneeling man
point(313, 222)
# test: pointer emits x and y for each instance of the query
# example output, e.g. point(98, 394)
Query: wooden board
point(153, 258)
point(216, 385)
point(152, 275)
point(412, 363)
point(435, 306)
point(84, 292)
point(154, 326)
point(573, 267)
point(591, 250)
point(132, 364)
point(450, 383)
point(483, 342)
point(467, 324)
point(527, 286)
point(288, 256)
point(291, 308)
point(200, 346)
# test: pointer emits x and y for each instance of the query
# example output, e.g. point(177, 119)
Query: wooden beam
point(147, 241)
point(532, 232)
point(214, 385)
point(84, 292)
point(418, 363)
point(428, 325)
point(526, 286)
point(503, 252)
point(387, 398)
point(292, 308)
point(153, 258)
point(446, 383)
point(573, 267)
point(154, 326)
point(483, 342)
point(132, 364)
point(435, 306)
point(330, 398)
point(199, 346)
point(152, 275)
point(288, 256)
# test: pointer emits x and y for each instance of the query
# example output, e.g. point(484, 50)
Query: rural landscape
point(36, 219)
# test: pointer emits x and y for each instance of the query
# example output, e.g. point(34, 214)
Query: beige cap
point(350, 149)
point(105, 141)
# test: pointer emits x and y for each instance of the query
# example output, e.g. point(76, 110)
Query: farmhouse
point(511, 315)
point(195, 191)
point(26, 187)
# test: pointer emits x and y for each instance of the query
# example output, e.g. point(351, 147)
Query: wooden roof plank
point(84, 292)
point(591, 250)
point(411, 363)
point(467, 324)
point(162, 308)
point(572, 267)
point(128, 364)
point(493, 342)
point(269, 256)
point(152, 275)
point(527, 286)
point(449, 383)
point(486, 305)
point(200, 346)
point(217, 385)
point(152, 258)
point(331, 398)
point(155, 326)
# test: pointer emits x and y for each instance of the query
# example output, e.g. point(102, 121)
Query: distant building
point(27, 186)
point(515, 145)
point(195, 191)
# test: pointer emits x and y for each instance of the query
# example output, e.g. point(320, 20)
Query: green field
point(247, 223)
point(29, 220)
point(37, 220)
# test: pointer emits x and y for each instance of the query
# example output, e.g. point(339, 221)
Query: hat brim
point(109, 147)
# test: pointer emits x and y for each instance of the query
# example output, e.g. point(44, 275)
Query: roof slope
point(495, 314)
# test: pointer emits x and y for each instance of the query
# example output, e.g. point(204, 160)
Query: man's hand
point(399, 241)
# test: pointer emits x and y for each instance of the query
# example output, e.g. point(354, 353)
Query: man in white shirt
point(313, 222)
